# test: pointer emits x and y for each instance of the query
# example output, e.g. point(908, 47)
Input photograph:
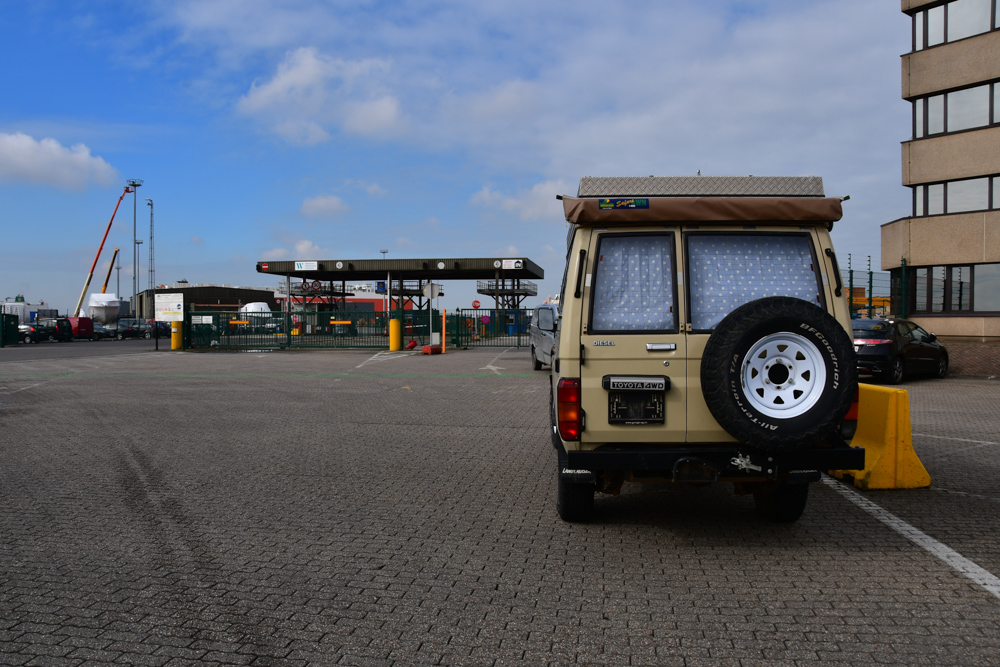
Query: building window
point(952, 21)
point(986, 288)
point(969, 108)
point(971, 194)
point(961, 288)
point(956, 111)
point(967, 18)
point(955, 290)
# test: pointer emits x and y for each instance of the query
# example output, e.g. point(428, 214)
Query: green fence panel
point(495, 327)
point(870, 293)
point(278, 330)
point(8, 330)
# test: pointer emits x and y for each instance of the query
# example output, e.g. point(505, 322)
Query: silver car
point(544, 321)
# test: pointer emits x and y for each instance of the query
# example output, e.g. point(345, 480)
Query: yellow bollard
point(395, 335)
point(884, 432)
point(176, 335)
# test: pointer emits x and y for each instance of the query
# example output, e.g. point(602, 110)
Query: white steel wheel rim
point(783, 375)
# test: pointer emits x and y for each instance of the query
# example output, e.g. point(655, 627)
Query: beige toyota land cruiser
point(703, 337)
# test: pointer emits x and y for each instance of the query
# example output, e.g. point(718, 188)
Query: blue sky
point(323, 130)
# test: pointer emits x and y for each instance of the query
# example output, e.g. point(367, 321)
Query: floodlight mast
point(134, 183)
point(152, 266)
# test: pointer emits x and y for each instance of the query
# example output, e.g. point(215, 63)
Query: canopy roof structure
point(353, 270)
point(504, 279)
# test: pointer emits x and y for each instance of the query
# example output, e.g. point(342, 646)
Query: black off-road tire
point(575, 501)
point(781, 502)
point(535, 363)
point(779, 374)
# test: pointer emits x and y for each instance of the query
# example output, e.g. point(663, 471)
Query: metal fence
point(8, 329)
point(265, 330)
point(871, 293)
point(489, 328)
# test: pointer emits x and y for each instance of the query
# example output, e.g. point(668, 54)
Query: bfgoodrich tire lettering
point(779, 374)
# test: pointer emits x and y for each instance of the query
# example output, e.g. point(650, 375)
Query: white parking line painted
point(944, 437)
point(946, 554)
point(384, 356)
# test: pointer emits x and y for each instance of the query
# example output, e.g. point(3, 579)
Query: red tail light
point(870, 341)
point(568, 399)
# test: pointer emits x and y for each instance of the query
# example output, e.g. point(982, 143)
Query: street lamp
point(137, 282)
point(134, 183)
point(152, 266)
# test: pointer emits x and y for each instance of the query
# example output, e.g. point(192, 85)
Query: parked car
point(35, 332)
point(83, 327)
point(101, 332)
point(894, 349)
point(61, 326)
point(542, 334)
point(132, 327)
point(161, 329)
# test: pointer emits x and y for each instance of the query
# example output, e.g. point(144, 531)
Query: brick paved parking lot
point(346, 508)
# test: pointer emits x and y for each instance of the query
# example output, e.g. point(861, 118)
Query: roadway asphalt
point(355, 508)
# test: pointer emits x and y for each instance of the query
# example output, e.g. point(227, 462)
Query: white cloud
point(538, 203)
point(300, 249)
point(47, 162)
point(373, 189)
point(373, 117)
point(324, 207)
point(197, 240)
point(311, 94)
point(403, 242)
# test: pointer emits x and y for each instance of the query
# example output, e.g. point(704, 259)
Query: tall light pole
point(152, 266)
point(134, 183)
point(138, 284)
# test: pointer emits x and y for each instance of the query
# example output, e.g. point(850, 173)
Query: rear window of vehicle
point(726, 271)
point(634, 284)
point(870, 329)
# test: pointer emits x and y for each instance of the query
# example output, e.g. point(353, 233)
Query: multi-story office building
point(949, 245)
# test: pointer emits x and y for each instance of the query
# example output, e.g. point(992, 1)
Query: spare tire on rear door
point(779, 374)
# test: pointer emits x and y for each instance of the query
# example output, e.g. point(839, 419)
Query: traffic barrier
point(176, 335)
point(395, 336)
point(884, 432)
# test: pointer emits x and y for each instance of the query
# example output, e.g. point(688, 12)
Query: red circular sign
point(475, 304)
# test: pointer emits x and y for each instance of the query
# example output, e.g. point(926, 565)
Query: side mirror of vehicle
point(931, 338)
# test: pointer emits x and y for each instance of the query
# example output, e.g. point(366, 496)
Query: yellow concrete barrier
point(884, 432)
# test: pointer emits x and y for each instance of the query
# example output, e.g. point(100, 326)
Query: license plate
point(636, 407)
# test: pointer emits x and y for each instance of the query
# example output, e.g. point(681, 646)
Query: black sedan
point(894, 349)
point(101, 332)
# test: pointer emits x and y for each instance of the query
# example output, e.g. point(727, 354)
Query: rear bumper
point(727, 462)
point(874, 366)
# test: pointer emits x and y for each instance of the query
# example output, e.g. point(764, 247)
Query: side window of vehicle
point(905, 330)
point(634, 284)
point(726, 271)
point(546, 322)
point(920, 334)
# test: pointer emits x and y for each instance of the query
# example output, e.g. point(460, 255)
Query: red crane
point(90, 276)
